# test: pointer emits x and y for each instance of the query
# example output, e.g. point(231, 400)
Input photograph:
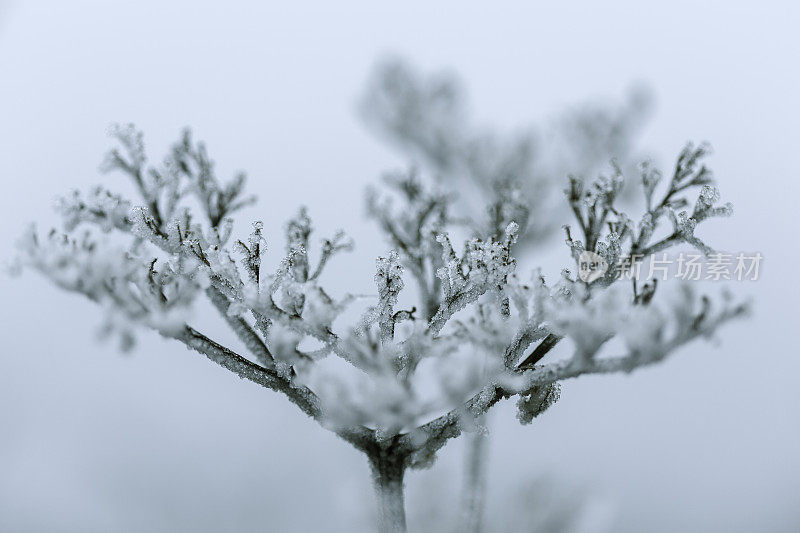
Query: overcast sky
point(163, 440)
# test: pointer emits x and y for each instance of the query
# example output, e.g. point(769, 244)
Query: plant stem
point(387, 477)
point(474, 488)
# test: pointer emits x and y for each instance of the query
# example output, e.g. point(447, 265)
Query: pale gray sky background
point(164, 441)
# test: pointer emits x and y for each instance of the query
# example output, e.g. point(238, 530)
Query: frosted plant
point(417, 377)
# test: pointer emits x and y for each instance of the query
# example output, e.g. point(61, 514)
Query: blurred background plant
point(426, 117)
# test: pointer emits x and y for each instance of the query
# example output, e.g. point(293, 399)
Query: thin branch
point(544, 347)
point(242, 329)
point(360, 437)
point(306, 400)
point(577, 365)
point(435, 434)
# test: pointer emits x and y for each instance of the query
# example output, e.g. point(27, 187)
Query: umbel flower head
point(408, 379)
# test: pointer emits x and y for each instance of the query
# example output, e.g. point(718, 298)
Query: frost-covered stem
point(242, 329)
point(437, 432)
point(360, 437)
point(228, 359)
point(473, 498)
point(447, 309)
point(547, 344)
point(387, 476)
point(577, 366)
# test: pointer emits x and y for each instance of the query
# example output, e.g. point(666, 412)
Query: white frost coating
point(101, 207)
point(133, 291)
point(476, 334)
